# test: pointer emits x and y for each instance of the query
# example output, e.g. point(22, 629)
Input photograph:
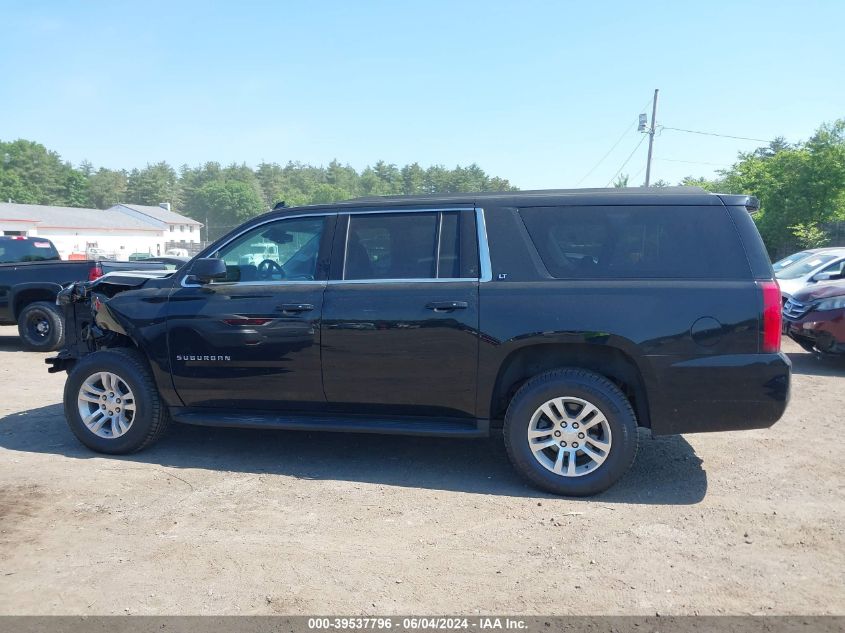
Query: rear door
point(400, 315)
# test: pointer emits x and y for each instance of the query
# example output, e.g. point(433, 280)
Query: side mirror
point(208, 269)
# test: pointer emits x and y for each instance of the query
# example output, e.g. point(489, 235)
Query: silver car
point(794, 258)
point(823, 265)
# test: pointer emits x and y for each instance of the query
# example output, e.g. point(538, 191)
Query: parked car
point(795, 257)
point(566, 319)
point(815, 317)
point(819, 267)
point(31, 275)
point(137, 257)
point(177, 252)
point(94, 253)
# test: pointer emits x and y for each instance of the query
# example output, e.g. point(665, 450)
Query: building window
point(182, 228)
point(172, 228)
point(191, 228)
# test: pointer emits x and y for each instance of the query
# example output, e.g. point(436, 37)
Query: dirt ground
point(235, 521)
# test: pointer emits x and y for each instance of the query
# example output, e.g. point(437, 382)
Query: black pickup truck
point(566, 319)
point(31, 275)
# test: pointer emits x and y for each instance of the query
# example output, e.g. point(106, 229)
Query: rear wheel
point(571, 432)
point(41, 327)
point(112, 404)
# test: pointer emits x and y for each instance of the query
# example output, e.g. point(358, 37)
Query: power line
point(613, 147)
point(740, 138)
point(631, 155)
point(645, 105)
point(692, 162)
point(635, 176)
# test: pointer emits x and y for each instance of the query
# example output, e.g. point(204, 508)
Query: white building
point(179, 231)
point(116, 233)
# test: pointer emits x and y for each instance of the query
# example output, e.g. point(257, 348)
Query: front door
point(400, 317)
point(252, 341)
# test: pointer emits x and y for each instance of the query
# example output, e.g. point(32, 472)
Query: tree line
point(801, 186)
point(220, 197)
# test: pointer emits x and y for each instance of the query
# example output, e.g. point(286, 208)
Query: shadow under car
point(666, 472)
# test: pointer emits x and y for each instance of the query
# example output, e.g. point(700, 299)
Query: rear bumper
point(719, 393)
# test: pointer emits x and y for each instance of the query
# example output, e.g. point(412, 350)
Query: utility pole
point(651, 137)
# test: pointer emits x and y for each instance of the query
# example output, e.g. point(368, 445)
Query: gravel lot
point(227, 522)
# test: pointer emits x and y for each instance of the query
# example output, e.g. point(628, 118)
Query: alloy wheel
point(569, 436)
point(106, 405)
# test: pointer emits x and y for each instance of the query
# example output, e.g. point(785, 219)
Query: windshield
point(805, 266)
point(13, 251)
point(792, 259)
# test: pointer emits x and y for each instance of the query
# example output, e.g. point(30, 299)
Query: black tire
point(151, 416)
point(41, 327)
point(588, 386)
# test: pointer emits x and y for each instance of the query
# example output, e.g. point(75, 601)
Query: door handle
point(447, 306)
point(295, 307)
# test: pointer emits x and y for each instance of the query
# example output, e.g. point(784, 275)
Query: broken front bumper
point(75, 303)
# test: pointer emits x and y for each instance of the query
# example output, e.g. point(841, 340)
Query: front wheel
point(571, 432)
point(41, 327)
point(112, 404)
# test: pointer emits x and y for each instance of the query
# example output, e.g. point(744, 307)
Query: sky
point(535, 92)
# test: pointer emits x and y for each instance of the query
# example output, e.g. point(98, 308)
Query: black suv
point(565, 318)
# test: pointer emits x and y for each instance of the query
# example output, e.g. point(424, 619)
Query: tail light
point(95, 272)
point(771, 316)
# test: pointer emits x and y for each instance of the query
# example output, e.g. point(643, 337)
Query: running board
point(400, 425)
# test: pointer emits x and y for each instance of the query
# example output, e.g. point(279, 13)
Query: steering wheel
point(268, 268)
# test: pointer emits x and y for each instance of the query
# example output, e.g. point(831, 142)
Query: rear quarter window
point(637, 242)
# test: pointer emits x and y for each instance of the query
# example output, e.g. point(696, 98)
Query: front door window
point(281, 251)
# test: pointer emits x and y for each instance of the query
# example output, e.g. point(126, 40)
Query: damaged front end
point(89, 323)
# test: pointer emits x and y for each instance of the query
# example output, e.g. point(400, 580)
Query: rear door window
point(395, 246)
point(414, 245)
point(637, 242)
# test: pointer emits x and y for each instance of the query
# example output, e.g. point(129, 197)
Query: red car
point(815, 318)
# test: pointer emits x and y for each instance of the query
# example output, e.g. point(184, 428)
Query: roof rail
point(490, 194)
